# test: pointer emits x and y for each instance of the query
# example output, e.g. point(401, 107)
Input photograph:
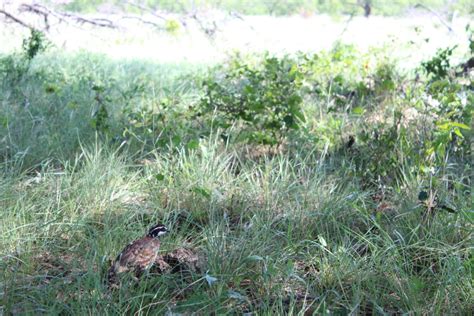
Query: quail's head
point(157, 231)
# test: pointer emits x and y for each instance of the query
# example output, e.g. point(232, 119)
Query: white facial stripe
point(158, 230)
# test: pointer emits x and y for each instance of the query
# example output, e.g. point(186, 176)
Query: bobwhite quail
point(137, 256)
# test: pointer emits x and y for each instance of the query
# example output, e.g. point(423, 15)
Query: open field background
point(334, 178)
point(416, 35)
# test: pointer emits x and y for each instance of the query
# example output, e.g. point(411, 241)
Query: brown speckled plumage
point(137, 256)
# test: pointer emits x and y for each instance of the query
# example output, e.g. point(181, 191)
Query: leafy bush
point(12, 70)
point(101, 115)
point(14, 67)
point(35, 44)
point(264, 99)
point(452, 105)
point(165, 124)
point(346, 80)
point(438, 66)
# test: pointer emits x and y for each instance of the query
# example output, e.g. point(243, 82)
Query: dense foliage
point(318, 183)
point(265, 99)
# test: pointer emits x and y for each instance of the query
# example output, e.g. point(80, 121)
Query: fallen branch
point(141, 20)
point(46, 13)
point(96, 22)
point(39, 10)
point(16, 20)
point(51, 17)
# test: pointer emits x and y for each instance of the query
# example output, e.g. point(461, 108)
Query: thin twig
point(143, 8)
point(141, 20)
point(346, 25)
point(419, 5)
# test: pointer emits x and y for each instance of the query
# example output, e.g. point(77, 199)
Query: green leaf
point(358, 110)
point(294, 101)
point(300, 115)
point(248, 89)
point(254, 258)
point(98, 88)
point(162, 143)
point(193, 144)
point(159, 177)
point(458, 132)
point(201, 191)
point(176, 140)
point(460, 125)
point(444, 126)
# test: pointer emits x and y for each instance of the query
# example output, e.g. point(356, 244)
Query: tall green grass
point(47, 110)
point(272, 235)
point(301, 230)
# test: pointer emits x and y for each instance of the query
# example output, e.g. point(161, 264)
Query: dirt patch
point(178, 261)
point(64, 266)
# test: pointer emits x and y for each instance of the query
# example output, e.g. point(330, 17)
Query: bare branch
point(95, 22)
point(63, 16)
point(141, 20)
point(37, 9)
point(143, 8)
point(16, 20)
point(419, 5)
point(346, 24)
point(210, 29)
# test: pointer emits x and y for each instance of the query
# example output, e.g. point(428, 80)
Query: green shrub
point(14, 67)
point(264, 99)
point(437, 67)
point(453, 107)
point(35, 44)
point(163, 125)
